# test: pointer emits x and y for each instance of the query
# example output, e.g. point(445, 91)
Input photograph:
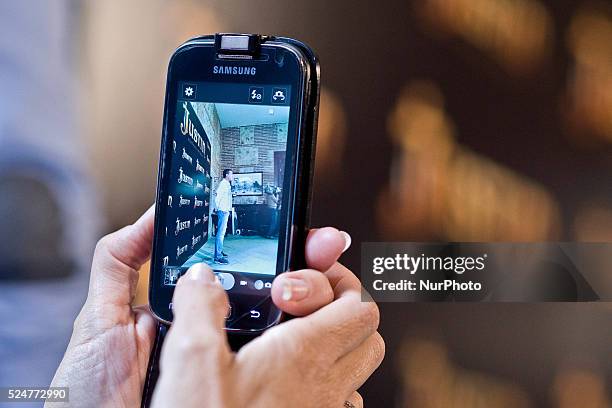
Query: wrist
point(74, 373)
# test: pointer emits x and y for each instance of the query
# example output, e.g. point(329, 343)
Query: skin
point(317, 360)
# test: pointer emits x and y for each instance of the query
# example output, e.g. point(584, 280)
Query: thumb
point(300, 293)
point(117, 259)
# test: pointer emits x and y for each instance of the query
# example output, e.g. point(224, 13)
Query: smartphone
point(235, 169)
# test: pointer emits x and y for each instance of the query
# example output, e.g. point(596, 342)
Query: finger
point(131, 245)
point(342, 280)
point(200, 306)
point(353, 401)
point(145, 325)
point(324, 246)
point(117, 258)
point(354, 368)
point(195, 357)
point(339, 327)
point(301, 292)
point(145, 332)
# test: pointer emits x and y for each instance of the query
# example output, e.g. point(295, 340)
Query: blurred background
point(441, 120)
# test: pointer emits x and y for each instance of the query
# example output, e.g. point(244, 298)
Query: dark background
point(441, 120)
point(368, 52)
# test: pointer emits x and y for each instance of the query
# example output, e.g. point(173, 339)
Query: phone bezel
point(298, 131)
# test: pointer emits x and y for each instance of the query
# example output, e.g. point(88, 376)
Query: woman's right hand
point(319, 360)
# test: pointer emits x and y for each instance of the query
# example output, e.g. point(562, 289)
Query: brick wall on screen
point(267, 144)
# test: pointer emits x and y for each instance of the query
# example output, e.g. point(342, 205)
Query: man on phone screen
point(223, 204)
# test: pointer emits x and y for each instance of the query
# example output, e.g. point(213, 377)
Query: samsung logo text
point(229, 70)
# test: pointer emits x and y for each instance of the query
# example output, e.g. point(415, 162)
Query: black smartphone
point(235, 169)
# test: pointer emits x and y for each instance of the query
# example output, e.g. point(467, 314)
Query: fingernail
point(198, 272)
point(294, 289)
point(347, 240)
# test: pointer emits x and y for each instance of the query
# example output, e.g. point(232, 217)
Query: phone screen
point(226, 180)
point(232, 186)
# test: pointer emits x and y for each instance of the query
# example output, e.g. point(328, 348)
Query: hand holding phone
point(315, 361)
point(123, 334)
point(112, 340)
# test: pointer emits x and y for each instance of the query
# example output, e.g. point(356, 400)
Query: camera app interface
point(223, 203)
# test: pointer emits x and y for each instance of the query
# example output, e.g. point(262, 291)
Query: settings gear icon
point(188, 91)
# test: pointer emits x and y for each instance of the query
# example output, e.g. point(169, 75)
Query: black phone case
point(304, 189)
point(305, 170)
point(306, 173)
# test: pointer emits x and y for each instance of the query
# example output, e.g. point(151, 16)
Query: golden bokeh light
point(579, 388)
point(331, 136)
point(430, 379)
point(516, 33)
point(443, 190)
point(589, 93)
